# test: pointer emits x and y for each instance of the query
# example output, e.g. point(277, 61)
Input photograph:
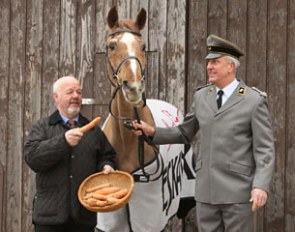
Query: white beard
point(73, 111)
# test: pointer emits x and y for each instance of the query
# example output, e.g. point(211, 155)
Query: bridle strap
point(141, 139)
point(117, 71)
point(123, 31)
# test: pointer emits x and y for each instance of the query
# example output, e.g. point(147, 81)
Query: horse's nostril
point(125, 83)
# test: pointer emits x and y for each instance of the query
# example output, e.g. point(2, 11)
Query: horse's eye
point(112, 45)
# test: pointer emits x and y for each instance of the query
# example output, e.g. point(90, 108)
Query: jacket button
point(71, 176)
point(72, 156)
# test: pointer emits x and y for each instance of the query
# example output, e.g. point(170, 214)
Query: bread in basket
point(97, 192)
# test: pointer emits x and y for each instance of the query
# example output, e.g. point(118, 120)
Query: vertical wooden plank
point(68, 37)
point(33, 97)
point(176, 15)
point(290, 123)
point(197, 32)
point(85, 49)
point(175, 79)
point(217, 16)
point(4, 98)
point(237, 30)
point(101, 86)
point(136, 6)
point(255, 60)
point(2, 194)
point(256, 44)
point(16, 115)
point(156, 42)
point(152, 75)
point(124, 8)
point(276, 88)
point(196, 48)
point(51, 49)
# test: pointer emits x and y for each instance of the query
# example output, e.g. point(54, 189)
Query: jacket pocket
point(45, 204)
point(240, 168)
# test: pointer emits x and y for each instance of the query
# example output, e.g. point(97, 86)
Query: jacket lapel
point(237, 96)
point(211, 98)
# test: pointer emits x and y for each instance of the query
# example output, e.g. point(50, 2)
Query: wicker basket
point(116, 178)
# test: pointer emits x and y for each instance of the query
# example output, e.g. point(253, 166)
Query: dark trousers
point(69, 226)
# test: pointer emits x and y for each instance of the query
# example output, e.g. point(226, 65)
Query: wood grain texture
point(15, 93)
point(32, 98)
point(41, 41)
point(276, 88)
point(290, 124)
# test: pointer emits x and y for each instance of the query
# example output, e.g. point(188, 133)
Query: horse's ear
point(141, 19)
point(113, 17)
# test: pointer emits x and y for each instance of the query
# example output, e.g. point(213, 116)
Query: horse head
point(126, 56)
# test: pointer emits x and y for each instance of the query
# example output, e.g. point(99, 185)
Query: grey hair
point(233, 60)
point(57, 83)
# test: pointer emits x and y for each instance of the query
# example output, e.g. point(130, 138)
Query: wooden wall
point(41, 40)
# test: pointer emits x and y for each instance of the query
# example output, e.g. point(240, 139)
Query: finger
point(254, 204)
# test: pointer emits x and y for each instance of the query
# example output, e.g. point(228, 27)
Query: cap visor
point(213, 56)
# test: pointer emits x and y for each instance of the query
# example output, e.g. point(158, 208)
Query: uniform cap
point(218, 47)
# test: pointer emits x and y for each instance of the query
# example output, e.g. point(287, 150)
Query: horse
point(157, 171)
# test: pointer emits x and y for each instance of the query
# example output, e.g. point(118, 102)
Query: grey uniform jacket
point(60, 169)
point(236, 150)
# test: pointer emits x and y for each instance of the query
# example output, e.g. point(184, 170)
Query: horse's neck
point(123, 140)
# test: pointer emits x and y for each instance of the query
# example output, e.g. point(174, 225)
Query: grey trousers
point(224, 217)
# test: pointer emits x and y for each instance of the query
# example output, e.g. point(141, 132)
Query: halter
point(115, 72)
point(142, 138)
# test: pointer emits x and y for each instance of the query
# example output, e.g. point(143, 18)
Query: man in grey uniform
point(236, 154)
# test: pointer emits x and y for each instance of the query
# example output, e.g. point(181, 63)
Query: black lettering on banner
point(172, 181)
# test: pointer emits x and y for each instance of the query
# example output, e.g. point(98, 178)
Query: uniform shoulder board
point(203, 86)
point(264, 94)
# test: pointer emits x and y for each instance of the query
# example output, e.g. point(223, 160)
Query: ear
point(113, 18)
point(141, 19)
point(54, 96)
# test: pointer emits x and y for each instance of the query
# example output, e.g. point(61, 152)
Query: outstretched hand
point(143, 128)
point(107, 169)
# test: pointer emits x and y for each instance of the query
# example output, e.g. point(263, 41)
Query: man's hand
point(258, 198)
point(107, 169)
point(144, 128)
point(73, 136)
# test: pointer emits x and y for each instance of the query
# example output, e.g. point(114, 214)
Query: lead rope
point(141, 139)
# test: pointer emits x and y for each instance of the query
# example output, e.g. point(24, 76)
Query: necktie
point(72, 123)
point(219, 99)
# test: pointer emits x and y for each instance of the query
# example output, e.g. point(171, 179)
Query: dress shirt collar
point(228, 90)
